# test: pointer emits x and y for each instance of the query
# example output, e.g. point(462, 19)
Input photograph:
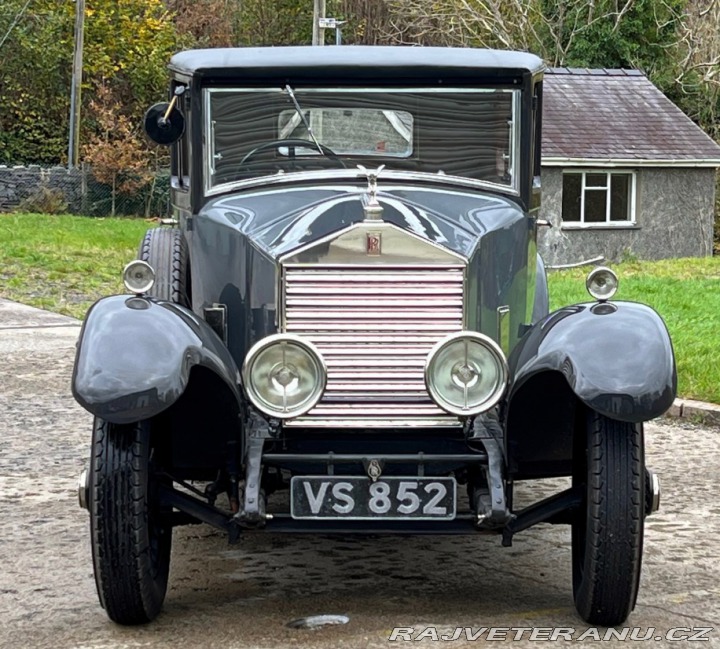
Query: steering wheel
point(292, 144)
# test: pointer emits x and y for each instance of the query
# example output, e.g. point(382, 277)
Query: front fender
point(616, 357)
point(134, 357)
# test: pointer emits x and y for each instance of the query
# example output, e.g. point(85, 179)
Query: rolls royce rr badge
point(374, 241)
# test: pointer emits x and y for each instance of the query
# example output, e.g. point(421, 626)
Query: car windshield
point(468, 133)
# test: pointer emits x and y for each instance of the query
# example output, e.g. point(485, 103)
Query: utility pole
point(318, 34)
point(74, 138)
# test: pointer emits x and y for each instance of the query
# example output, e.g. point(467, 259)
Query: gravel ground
point(244, 595)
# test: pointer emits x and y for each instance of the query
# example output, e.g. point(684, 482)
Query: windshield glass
point(470, 133)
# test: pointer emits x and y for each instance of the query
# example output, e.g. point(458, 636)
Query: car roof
point(354, 62)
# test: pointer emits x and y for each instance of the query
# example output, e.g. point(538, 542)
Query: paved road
point(243, 596)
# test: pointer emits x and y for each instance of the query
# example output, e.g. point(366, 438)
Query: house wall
point(674, 218)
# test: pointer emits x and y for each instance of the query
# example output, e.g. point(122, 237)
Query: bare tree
point(698, 72)
point(368, 20)
point(210, 23)
point(550, 29)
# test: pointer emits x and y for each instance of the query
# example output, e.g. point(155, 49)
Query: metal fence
point(57, 190)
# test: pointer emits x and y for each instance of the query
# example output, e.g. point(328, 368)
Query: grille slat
point(374, 358)
point(371, 374)
point(374, 327)
point(380, 275)
point(378, 313)
point(409, 327)
point(375, 342)
point(382, 304)
point(375, 368)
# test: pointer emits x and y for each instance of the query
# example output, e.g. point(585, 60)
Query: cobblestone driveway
point(242, 596)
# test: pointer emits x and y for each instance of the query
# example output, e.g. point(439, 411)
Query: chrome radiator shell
point(374, 324)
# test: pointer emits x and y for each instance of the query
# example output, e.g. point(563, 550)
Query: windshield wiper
point(290, 92)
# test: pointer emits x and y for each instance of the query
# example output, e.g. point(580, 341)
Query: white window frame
point(582, 224)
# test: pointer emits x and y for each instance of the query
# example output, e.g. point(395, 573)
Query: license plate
point(359, 498)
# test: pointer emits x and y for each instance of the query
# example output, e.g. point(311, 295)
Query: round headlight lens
point(466, 373)
point(138, 277)
point(601, 283)
point(284, 376)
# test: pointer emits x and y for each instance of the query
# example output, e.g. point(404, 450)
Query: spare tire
point(166, 250)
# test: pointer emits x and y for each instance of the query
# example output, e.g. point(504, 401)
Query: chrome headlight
point(601, 283)
point(466, 373)
point(284, 376)
point(138, 277)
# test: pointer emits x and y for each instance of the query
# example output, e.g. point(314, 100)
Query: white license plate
point(359, 498)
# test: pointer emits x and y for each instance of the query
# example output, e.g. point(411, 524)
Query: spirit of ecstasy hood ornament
point(372, 208)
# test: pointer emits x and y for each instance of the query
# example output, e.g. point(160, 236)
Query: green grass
point(65, 263)
point(686, 293)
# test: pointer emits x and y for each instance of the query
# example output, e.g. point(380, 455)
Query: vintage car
point(345, 326)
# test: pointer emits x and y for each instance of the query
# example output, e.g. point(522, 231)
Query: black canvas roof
point(354, 60)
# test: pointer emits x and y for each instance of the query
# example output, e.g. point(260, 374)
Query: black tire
point(607, 532)
point(130, 543)
point(165, 249)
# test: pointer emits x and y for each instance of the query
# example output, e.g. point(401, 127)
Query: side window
point(180, 156)
point(537, 125)
point(598, 197)
point(536, 142)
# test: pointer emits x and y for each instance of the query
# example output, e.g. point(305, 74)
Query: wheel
point(165, 249)
point(607, 531)
point(130, 542)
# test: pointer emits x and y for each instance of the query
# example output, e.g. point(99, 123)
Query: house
point(624, 171)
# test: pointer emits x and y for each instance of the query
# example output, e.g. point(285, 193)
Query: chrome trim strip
point(440, 253)
point(359, 89)
point(342, 173)
point(337, 174)
point(207, 136)
point(515, 142)
point(367, 422)
point(503, 328)
point(577, 264)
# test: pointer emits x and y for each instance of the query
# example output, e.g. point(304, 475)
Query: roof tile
point(599, 114)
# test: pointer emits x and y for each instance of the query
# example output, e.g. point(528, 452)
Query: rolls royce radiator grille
point(374, 327)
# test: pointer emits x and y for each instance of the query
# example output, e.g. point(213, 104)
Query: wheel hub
point(83, 490)
point(652, 492)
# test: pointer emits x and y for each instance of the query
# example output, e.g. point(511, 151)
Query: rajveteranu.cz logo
point(551, 634)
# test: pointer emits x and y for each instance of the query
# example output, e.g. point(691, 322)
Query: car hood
point(279, 221)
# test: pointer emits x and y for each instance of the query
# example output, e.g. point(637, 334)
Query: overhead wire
point(15, 22)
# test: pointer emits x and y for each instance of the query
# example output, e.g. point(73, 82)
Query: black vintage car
point(346, 326)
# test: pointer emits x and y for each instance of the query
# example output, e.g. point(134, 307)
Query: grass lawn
point(65, 263)
point(686, 293)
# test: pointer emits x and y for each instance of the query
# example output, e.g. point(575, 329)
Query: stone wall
point(20, 183)
point(674, 218)
point(82, 193)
